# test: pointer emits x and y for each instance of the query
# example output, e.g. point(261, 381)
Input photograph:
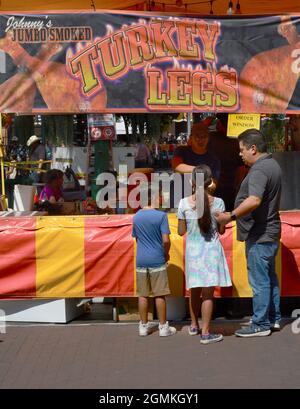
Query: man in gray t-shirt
point(263, 181)
point(258, 224)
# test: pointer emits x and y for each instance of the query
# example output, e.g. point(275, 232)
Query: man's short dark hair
point(253, 137)
point(199, 127)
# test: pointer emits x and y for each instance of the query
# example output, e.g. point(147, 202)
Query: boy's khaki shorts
point(152, 281)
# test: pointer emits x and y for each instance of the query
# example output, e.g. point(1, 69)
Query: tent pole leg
point(115, 310)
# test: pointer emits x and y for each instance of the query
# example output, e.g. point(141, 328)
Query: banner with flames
point(146, 62)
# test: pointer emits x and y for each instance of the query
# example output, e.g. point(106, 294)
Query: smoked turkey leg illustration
point(18, 92)
point(59, 91)
point(269, 79)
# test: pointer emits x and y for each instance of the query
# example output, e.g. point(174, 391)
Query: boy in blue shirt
point(151, 231)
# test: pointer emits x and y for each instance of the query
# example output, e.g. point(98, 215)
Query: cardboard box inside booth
point(71, 208)
point(128, 309)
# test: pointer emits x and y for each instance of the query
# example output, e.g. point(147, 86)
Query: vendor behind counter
point(52, 191)
point(56, 201)
point(196, 153)
point(217, 151)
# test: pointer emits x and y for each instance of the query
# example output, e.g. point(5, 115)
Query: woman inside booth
point(52, 192)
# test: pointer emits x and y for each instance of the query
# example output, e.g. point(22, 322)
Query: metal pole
point(2, 163)
point(87, 176)
point(189, 124)
point(115, 310)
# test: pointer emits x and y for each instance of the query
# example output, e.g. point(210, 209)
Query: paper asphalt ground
point(112, 355)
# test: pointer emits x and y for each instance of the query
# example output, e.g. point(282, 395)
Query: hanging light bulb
point(230, 8)
point(179, 3)
point(211, 7)
point(238, 8)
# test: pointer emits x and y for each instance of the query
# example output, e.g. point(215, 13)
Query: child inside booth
point(51, 197)
point(52, 191)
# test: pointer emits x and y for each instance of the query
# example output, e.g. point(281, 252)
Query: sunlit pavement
point(112, 355)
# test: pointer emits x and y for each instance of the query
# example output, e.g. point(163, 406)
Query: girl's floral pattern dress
point(205, 262)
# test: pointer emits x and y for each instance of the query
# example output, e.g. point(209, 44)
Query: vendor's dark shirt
point(227, 150)
point(263, 181)
point(189, 157)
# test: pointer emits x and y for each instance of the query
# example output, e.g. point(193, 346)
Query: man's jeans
point(264, 282)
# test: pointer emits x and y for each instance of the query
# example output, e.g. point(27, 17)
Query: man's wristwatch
point(232, 216)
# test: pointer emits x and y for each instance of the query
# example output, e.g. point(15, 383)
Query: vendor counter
point(54, 257)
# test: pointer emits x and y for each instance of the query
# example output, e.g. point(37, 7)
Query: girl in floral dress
point(205, 263)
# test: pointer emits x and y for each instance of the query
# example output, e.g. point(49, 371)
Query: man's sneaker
point(275, 326)
point(146, 329)
point(211, 338)
point(194, 330)
point(165, 330)
point(252, 331)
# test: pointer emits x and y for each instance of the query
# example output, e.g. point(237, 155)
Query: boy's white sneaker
point(146, 329)
point(165, 330)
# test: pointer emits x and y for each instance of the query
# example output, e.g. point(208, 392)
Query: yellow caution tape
point(32, 169)
point(64, 160)
point(28, 162)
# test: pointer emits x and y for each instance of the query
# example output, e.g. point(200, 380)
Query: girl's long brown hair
point(205, 222)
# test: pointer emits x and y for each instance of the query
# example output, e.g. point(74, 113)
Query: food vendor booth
point(81, 62)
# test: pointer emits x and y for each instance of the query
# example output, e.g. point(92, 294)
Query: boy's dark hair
point(149, 190)
point(53, 174)
point(205, 222)
point(253, 137)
